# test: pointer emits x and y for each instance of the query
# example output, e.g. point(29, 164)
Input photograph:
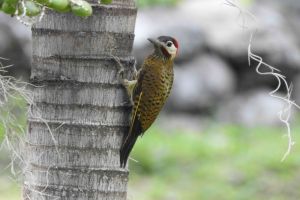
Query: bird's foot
point(121, 68)
point(135, 72)
point(121, 74)
point(126, 103)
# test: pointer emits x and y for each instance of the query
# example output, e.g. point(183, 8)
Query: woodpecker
point(149, 90)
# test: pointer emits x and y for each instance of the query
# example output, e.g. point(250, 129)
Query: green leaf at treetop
point(58, 5)
point(11, 2)
point(43, 2)
point(32, 9)
point(81, 8)
point(9, 8)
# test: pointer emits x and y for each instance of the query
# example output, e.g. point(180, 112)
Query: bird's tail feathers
point(126, 149)
point(129, 141)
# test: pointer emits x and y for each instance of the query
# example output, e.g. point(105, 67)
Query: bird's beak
point(155, 42)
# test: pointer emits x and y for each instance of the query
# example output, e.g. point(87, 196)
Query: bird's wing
point(135, 124)
point(135, 128)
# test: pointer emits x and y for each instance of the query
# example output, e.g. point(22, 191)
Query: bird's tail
point(126, 149)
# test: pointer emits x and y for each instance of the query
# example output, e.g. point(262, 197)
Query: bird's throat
point(165, 52)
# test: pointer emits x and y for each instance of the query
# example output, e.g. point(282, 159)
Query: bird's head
point(165, 46)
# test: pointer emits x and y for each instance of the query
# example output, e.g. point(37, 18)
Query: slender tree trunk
point(82, 102)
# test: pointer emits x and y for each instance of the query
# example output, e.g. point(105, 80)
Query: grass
point(9, 190)
point(227, 162)
point(223, 162)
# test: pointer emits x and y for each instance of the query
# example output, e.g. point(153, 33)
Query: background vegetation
point(223, 161)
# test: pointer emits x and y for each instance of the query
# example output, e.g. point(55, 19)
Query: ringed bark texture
point(82, 102)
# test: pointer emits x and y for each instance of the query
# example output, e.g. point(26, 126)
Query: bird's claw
point(121, 68)
point(127, 103)
point(121, 73)
point(125, 82)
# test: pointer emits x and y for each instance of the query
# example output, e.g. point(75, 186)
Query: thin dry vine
point(282, 83)
point(15, 98)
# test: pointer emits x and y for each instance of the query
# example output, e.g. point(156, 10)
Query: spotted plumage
point(149, 91)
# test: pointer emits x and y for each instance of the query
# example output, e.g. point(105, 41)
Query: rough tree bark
point(82, 103)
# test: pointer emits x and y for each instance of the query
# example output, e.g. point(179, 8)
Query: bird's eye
point(169, 44)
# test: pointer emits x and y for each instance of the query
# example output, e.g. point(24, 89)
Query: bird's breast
point(156, 88)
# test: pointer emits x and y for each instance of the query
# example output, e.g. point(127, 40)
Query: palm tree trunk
point(75, 155)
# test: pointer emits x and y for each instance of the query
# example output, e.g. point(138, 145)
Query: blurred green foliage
point(223, 162)
point(13, 116)
point(9, 189)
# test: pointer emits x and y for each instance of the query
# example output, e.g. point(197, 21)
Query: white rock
point(252, 109)
point(201, 84)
